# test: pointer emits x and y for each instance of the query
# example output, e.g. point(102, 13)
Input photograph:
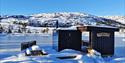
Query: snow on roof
point(103, 26)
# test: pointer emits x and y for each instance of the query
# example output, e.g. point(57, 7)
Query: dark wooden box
point(25, 45)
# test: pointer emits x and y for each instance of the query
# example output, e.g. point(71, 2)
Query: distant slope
point(64, 19)
point(120, 19)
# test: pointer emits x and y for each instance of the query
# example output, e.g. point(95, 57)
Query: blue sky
point(95, 7)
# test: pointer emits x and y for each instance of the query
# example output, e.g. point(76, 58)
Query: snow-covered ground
point(13, 32)
point(10, 50)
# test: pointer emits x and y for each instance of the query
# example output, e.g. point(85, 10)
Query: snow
point(65, 19)
point(118, 60)
point(120, 19)
point(10, 43)
point(28, 51)
point(104, 26)
point(50, 58)
point(35, 47)
point(70, 51)
point(53, 54)
point(9, 55)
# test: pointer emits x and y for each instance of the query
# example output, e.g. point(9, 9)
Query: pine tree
point(9, 31)
point(1, 28)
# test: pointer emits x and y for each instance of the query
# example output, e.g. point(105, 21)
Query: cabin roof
point(98, 28)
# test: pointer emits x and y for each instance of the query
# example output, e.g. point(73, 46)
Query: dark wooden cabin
point(101, 38)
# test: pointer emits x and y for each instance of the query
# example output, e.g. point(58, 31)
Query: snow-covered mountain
point(120, 19)
point(64, 19)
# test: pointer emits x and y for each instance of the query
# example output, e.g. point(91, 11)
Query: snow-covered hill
point(64, 19)
point(120, 19)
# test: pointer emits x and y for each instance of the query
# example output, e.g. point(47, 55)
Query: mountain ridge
point(65, 19)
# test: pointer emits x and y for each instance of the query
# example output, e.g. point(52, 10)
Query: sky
point(94, 7)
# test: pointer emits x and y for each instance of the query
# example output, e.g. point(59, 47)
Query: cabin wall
point(67, 39)
point(103, 42)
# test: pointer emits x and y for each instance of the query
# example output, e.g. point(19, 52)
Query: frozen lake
point(11, 43)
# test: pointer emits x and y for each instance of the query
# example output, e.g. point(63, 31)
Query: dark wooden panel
point(103, 43)
point(68, 39)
